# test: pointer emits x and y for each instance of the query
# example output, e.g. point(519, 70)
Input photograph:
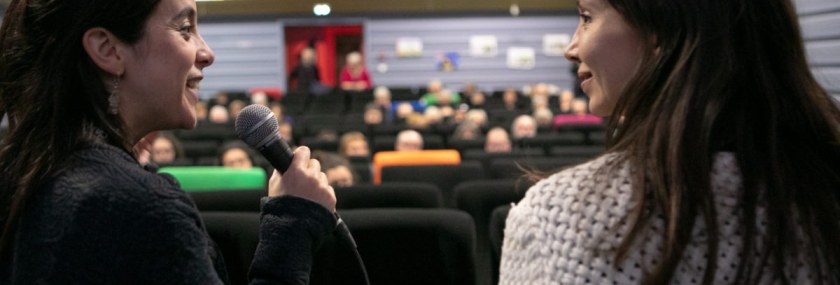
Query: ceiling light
point(321, 9)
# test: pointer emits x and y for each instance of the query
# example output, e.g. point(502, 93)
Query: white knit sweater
point(567, 228)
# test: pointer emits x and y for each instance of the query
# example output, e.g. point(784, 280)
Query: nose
point(571, 52)
point(204, 55)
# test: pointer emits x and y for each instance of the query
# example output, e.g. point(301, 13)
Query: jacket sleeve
point(291, 230)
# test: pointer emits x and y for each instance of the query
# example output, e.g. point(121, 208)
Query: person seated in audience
point(466, 131)
point(337, 168)
point(221, 99)
point(497, 141)
point(580, 116)
point(327, 135)
point(543, 117)
point(477, 117)
point(201, 111)
point(404, 110)
point(234, 108)
point(287, 132)
point(524, 126)
point(382, 99)
point(539, 101)
point(166, 149)
point(236, 155)
point(408, 140)
point(417, 121)
point(444, 97)
point(511, 101)
point(259, 98)
point(469, 88)
point(279, 112)
point(354, 144)
point(565, 102)
point(437, 95)
point(373, 115)
point(477, 100)
point(354, 76)
point(433, 115)
point(219, 115)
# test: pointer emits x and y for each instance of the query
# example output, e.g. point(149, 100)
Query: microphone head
point(255, 124)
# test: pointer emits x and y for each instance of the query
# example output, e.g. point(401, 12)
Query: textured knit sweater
point(568, 227)
point(103, 219)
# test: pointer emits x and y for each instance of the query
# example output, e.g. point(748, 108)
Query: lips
point(584, 76)
point(194, 82)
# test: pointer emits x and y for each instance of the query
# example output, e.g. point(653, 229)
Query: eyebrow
point(188, 12)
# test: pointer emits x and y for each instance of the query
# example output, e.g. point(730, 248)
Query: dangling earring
point(113, 98)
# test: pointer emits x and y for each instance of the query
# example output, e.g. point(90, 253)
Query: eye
point(585, 18)
point(186, 31)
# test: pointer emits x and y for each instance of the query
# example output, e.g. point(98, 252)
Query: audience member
point(382, 99)
point(579, 116)
point(354, 144)
point(565, 102)
point(221, 99)
point(354, 76)
point(373, 115)
point(236, 155)
point(433, 115)
point(259, 98)
point(524, 126)
point(201, 111)
point(166, 148)
point(466, 131)
point(511, 101)
point(543, 117)
point(287, 132)
point(219, 115)
point(477, 100)
point(404, 110)
point(337, 169)
point(497, 141)
point(234, 107)
point(437, 95)
point(477, 117)
point(305, 77)
point(408, 140)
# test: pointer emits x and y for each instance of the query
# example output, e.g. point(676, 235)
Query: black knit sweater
point(103, 219)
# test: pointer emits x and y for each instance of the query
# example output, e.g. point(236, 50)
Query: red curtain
point(323, 38)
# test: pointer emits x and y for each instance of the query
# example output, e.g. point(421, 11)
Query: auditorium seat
point(497, 236)
point(479, 198)
point(415, 246)
point(446, 177)
point(198, 148)
point(237, 235)
point(424, 157)
point(389, 195)
point(582, 151)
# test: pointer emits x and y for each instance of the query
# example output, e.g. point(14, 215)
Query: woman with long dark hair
point(723, 164)
point(83, 83)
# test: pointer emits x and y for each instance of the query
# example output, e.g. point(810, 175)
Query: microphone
point(257, 126)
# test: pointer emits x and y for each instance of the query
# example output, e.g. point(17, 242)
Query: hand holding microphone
point(301, 176)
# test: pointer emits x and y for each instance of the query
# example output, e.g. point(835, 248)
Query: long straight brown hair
point(729, 75)
point(52, 93)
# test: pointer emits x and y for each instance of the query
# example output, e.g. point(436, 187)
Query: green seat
point(212, 178)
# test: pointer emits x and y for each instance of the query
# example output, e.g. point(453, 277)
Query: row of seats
point(403, 231)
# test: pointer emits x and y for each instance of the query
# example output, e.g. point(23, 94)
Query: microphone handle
point(278, 153)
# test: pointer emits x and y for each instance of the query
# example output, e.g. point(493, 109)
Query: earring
point(113, 98)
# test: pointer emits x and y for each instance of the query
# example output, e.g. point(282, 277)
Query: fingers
point(301, 157)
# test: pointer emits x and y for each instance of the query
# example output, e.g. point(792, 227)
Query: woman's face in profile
point(609, 52)
point(159, 86)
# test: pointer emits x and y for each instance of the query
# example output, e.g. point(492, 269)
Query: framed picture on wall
point(521, 58)
point(409, 47)
point(483, 46)
point(555, 44)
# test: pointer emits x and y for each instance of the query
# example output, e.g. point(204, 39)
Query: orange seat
point(422, 157)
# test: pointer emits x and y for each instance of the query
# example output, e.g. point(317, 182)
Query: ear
point(102, 47)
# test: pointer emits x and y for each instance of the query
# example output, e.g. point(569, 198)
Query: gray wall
point(820, 20)
point(251, 54)
point(444, 35)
